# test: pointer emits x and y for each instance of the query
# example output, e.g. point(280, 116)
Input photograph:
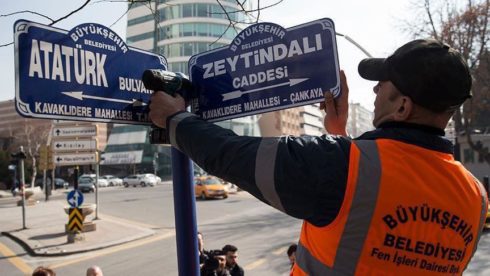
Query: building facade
point(31, 133)
point(471, 159)
point(359, 121)
point(176, 29)
point(15, 127)
point(297, 121)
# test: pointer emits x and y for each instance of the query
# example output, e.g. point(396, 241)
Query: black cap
point(431, 73)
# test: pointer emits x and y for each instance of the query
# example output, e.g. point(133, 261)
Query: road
point(240, 220)
point(261, 234)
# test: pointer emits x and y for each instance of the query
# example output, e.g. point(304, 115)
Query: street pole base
point(74, 237)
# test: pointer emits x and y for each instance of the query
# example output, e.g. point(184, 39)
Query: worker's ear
point(404, 110)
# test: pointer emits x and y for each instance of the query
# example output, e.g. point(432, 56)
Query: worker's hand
point(337, 110)
point(162, 106)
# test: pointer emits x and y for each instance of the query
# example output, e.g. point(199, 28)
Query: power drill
point(171, 83)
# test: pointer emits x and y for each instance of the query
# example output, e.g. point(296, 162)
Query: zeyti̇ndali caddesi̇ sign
point(266, 68)
point(85, 74)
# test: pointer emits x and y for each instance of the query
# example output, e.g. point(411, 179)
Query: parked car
point(139, 179)
point(131, 180)
point(150, 175)
point(86, 185)
point(60, 183)
point(100, 183)
point(112, 180)
point(209, 187)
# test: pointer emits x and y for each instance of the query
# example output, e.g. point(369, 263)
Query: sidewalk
point(45, 222)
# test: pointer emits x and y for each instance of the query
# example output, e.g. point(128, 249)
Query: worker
point(392, 201)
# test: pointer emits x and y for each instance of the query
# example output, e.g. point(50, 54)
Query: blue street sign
point(266, 68)
point(85, 74)
point(75, 198)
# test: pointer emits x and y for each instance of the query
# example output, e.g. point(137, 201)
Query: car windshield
point(211, 181)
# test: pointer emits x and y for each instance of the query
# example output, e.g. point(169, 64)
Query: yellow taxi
point(209, 187)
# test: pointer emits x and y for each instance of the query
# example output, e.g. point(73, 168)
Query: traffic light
point(18, 155)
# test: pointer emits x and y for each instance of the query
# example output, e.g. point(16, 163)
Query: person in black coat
point(231, 260)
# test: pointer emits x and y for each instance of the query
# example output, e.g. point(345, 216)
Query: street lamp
point(19, 158)
point(355, 44)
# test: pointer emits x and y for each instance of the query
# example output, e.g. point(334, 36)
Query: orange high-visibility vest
point(407, 210)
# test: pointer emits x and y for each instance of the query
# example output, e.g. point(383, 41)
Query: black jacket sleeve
point(306, 176)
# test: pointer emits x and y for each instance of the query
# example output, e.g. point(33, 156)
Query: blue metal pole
point(185, 214)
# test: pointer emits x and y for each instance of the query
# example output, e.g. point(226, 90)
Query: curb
point(31, 252)
point(20, 242)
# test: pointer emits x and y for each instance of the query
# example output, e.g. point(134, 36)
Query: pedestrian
point(43, 271)
point(15, 187)
point(231, 253)
point(291, 252)
point(94, 271)
point(203, 254)
point(215, 265)
point(393, 200)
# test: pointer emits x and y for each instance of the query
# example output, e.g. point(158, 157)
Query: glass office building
point(179, 29)
point(176, 29)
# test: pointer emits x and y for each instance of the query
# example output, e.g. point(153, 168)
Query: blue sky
point(375, 25)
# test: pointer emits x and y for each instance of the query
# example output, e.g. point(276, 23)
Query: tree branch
point(71, 13)
point(21, 12)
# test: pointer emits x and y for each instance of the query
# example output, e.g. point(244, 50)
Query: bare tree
point(31, 137)
point(253, 13)
point(466, 28)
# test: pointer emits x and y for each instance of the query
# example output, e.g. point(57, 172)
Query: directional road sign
point(75, 221)
point(75, 198)
point(74, 145)
point(76, 131)
point(267, 68)
point(85, 74)
point(75, 159)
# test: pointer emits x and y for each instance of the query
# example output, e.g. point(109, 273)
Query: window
point(187, 10)
point(202, 10)
point(199, 10)
point(188, 30)
point(139, 37)
point(188, 49)
point(178, 67)
point(138, 20)
point(174, 12)
point(200, 29)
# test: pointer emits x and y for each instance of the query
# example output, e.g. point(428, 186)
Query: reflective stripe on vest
point(362, 209)
point(264, 171)
point(173, 126)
